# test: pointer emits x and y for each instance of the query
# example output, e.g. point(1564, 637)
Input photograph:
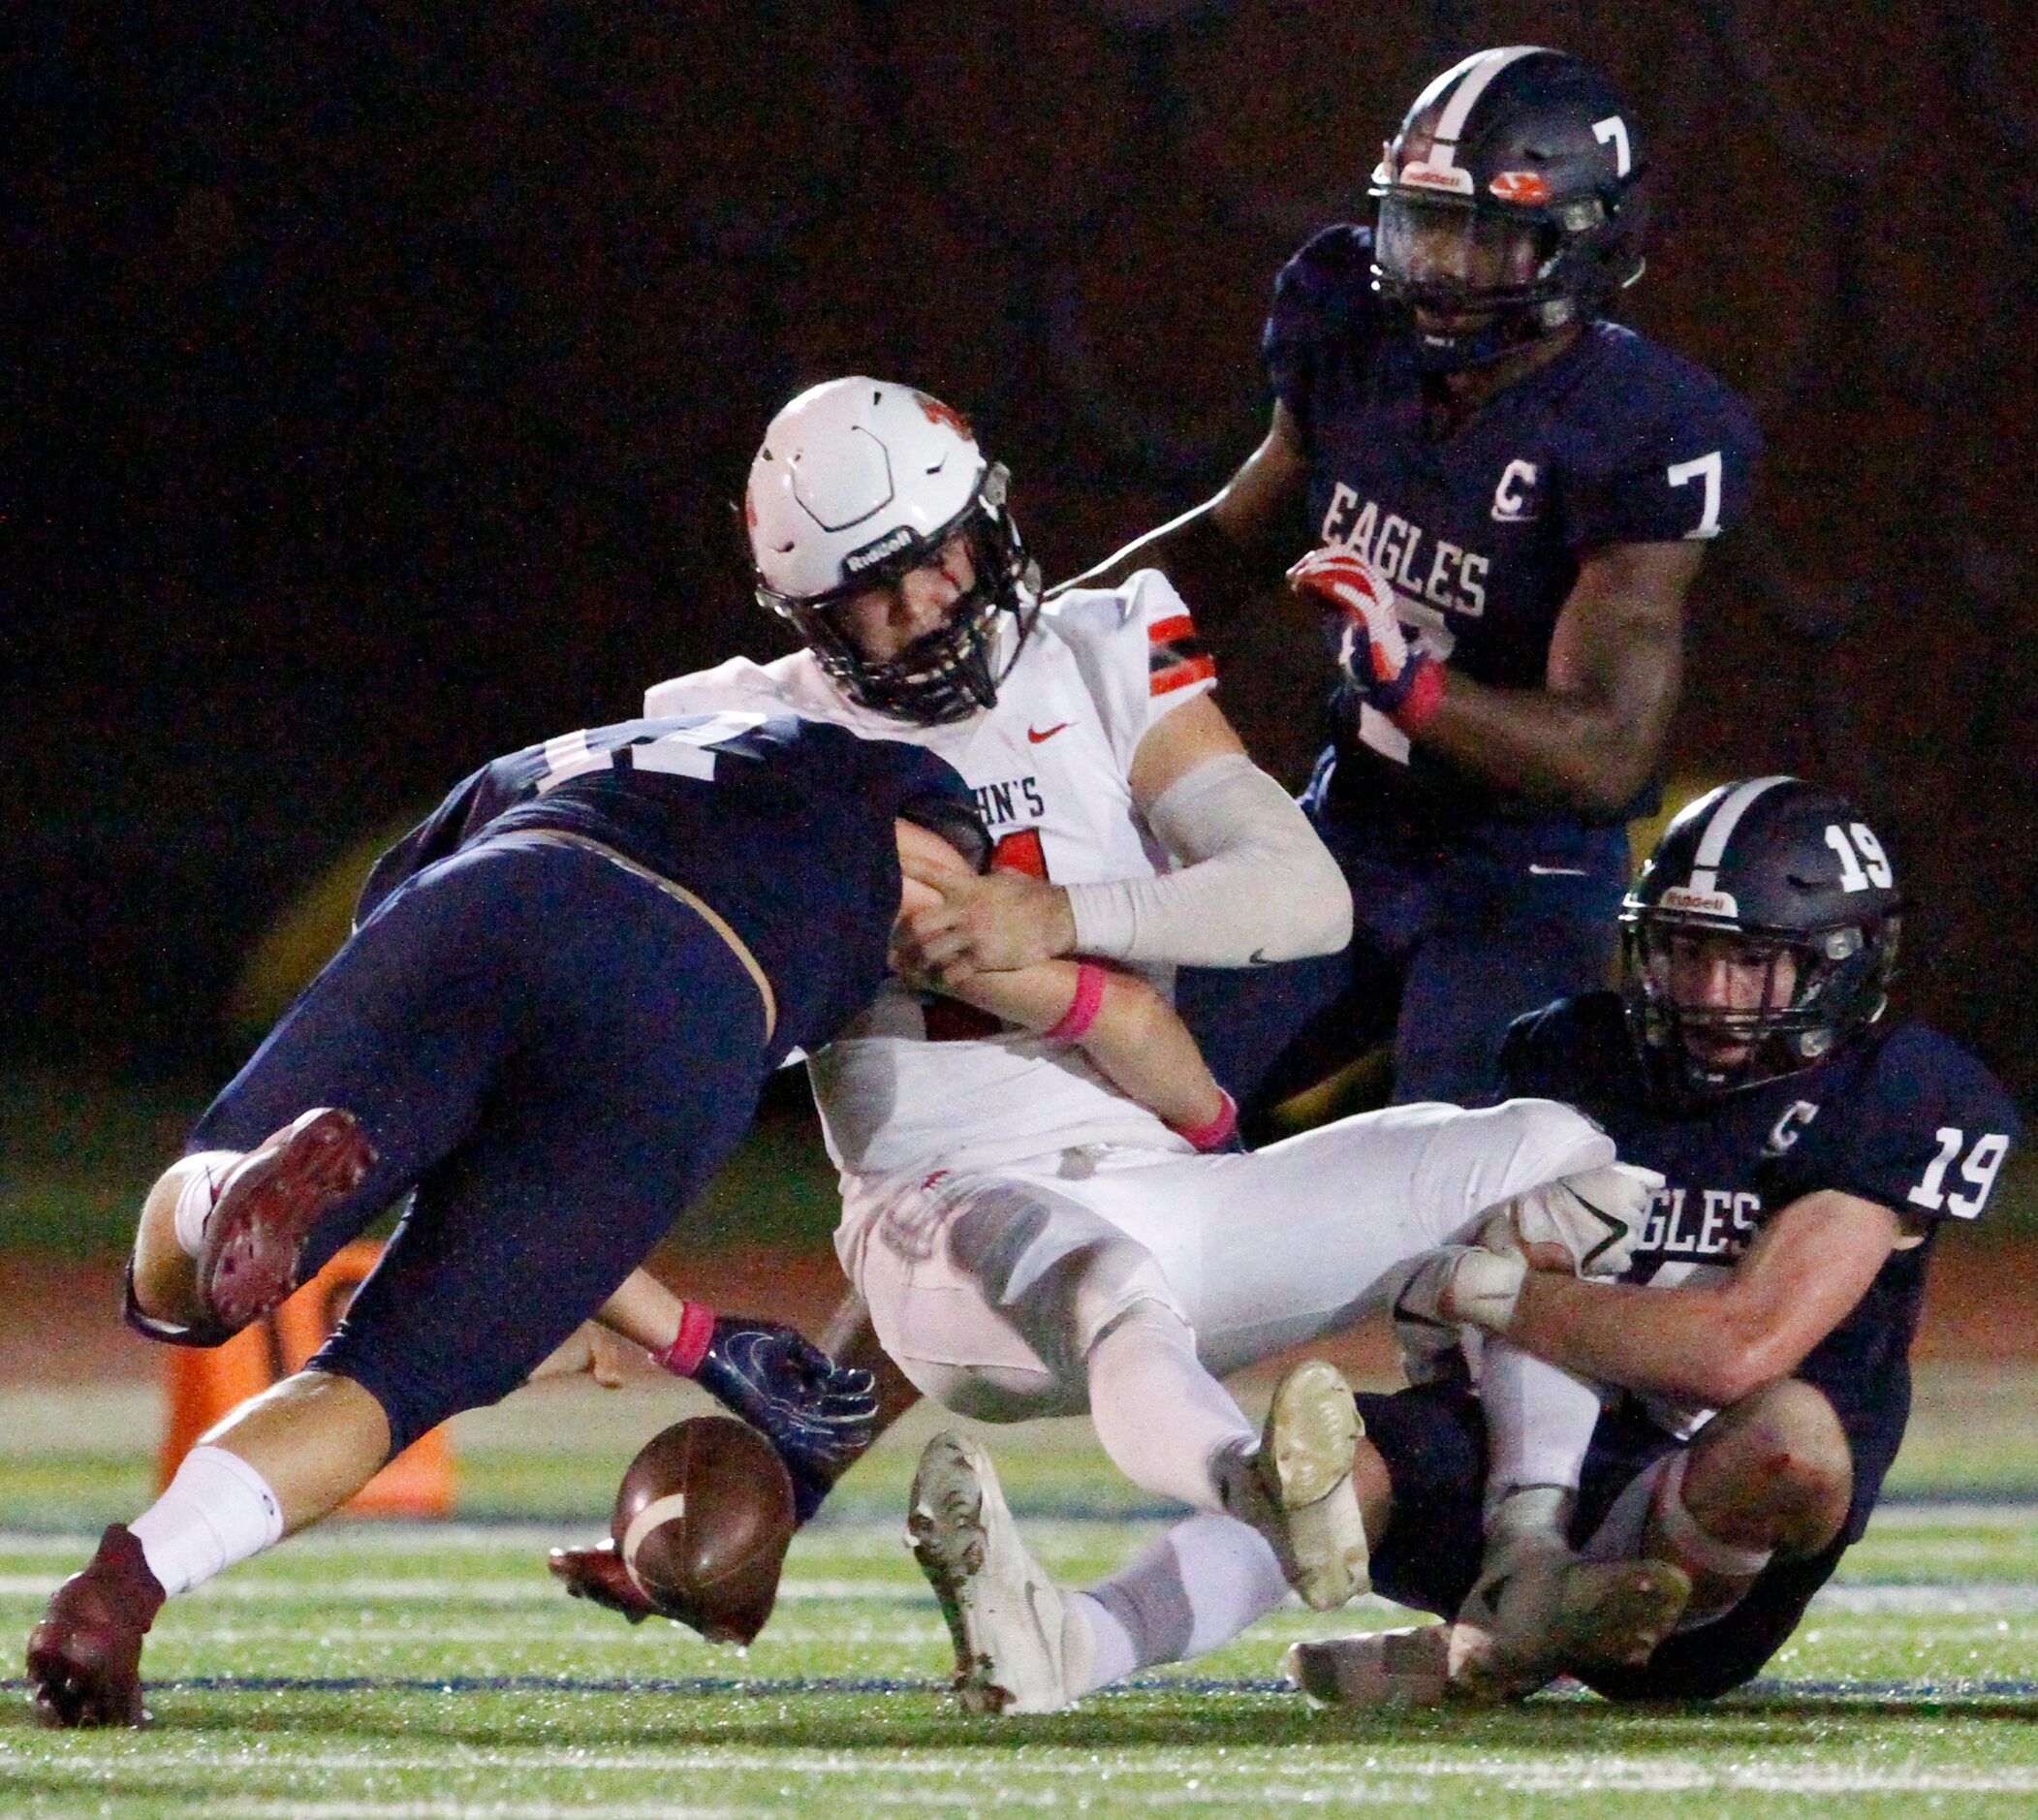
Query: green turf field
point(378, 1671)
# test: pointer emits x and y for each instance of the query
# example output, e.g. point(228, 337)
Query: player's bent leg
point(1019, 1648)
point(316, 1438)
point(1773, 1475)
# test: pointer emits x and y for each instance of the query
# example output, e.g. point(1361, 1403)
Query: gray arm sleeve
point(1255, 883)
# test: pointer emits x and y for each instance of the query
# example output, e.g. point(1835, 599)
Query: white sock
point(195, 1199)
point(1202, 1584)
point(1115, 1653)
point(1159, 1415)
point(1539, 1423)
point(218, 1510)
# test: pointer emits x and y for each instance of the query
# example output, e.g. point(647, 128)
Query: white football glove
point(1596, 1216)
point(1454, 1286)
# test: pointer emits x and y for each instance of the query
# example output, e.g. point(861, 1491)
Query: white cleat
point(1384, 1668)
point(1538, 1613)
point(1015, 1639)
point(1296, 1489)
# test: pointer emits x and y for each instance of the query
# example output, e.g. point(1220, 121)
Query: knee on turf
point(1773, 1471)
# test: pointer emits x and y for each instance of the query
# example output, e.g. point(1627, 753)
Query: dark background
point(380, 377)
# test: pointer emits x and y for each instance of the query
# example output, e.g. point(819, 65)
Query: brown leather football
point(701, 1521)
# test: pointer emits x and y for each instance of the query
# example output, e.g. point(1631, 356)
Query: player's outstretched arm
point(1713, 1343)
point(1129, 1032)
point(1228, 552)
point(819, 1415)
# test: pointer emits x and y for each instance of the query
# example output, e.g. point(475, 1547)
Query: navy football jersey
point(1904, 1118)
point(1616, 441)
point(783, 826)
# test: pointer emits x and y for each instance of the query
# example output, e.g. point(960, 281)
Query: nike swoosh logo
point(1555, 872)
point(1258, 958)
point(1035, 735)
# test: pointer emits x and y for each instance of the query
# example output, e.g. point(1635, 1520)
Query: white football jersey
point(917, 1082)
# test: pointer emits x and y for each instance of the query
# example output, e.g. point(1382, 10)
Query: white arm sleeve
point(1255, 885)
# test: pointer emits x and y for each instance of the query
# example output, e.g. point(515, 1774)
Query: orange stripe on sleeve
point(1180, 675)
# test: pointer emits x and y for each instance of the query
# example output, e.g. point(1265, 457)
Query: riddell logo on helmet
point(872, 553)
point(939, 412)
point(1442, 176)
point(1529, 188)
point(1708, 903)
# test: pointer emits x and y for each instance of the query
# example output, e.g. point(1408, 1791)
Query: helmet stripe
point(1478, 72)
point(1712, 845)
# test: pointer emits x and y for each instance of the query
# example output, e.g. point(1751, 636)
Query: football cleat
point(598, 1574)
point(1016, 1638)
point(1384, 1668)
point(84, 1657)
point(1539, 1612)
point(1296, 1488)
point(267, 1205)
point(820, 1417)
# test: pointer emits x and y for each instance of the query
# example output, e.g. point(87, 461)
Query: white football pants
point(989, 1287)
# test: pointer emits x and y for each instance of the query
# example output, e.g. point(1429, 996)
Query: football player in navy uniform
point(553, 1022)
point(1811, 1157)
point(1511, 495)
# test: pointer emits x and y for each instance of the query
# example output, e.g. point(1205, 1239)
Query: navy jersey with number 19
point(1903, 1117)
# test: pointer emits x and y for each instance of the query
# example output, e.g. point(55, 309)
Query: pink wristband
point(697, 1327)
point(1426, 695)
point(1082, 1011)
point(1218, 1131)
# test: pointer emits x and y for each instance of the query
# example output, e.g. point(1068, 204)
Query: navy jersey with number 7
point(1482, 528)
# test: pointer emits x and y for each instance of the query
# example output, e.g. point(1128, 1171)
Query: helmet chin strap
point(1515, 326)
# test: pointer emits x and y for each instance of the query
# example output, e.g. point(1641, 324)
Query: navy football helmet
point(1510, 203)
point(859, 481)
point(1794, 875)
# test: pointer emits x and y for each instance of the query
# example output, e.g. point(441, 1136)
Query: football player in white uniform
point(1028, 1239)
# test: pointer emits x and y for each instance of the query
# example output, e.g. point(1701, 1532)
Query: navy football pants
point(1451, 943)
point(1433, 1439)
point(556, 1054)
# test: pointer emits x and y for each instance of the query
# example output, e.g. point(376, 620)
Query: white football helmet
point(857, 481)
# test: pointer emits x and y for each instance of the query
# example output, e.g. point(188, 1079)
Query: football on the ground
point(701, 1522)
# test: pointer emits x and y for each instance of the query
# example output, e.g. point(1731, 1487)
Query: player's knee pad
point(1056, 1271)
point(1118, 1282)
point(996, 1393)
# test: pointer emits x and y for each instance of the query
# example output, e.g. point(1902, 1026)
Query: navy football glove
point(818, 1415)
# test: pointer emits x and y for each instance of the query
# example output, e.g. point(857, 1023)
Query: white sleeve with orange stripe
point(1252, 882)
point(1139, 652)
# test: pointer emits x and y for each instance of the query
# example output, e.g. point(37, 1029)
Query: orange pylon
point(203, 1383)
